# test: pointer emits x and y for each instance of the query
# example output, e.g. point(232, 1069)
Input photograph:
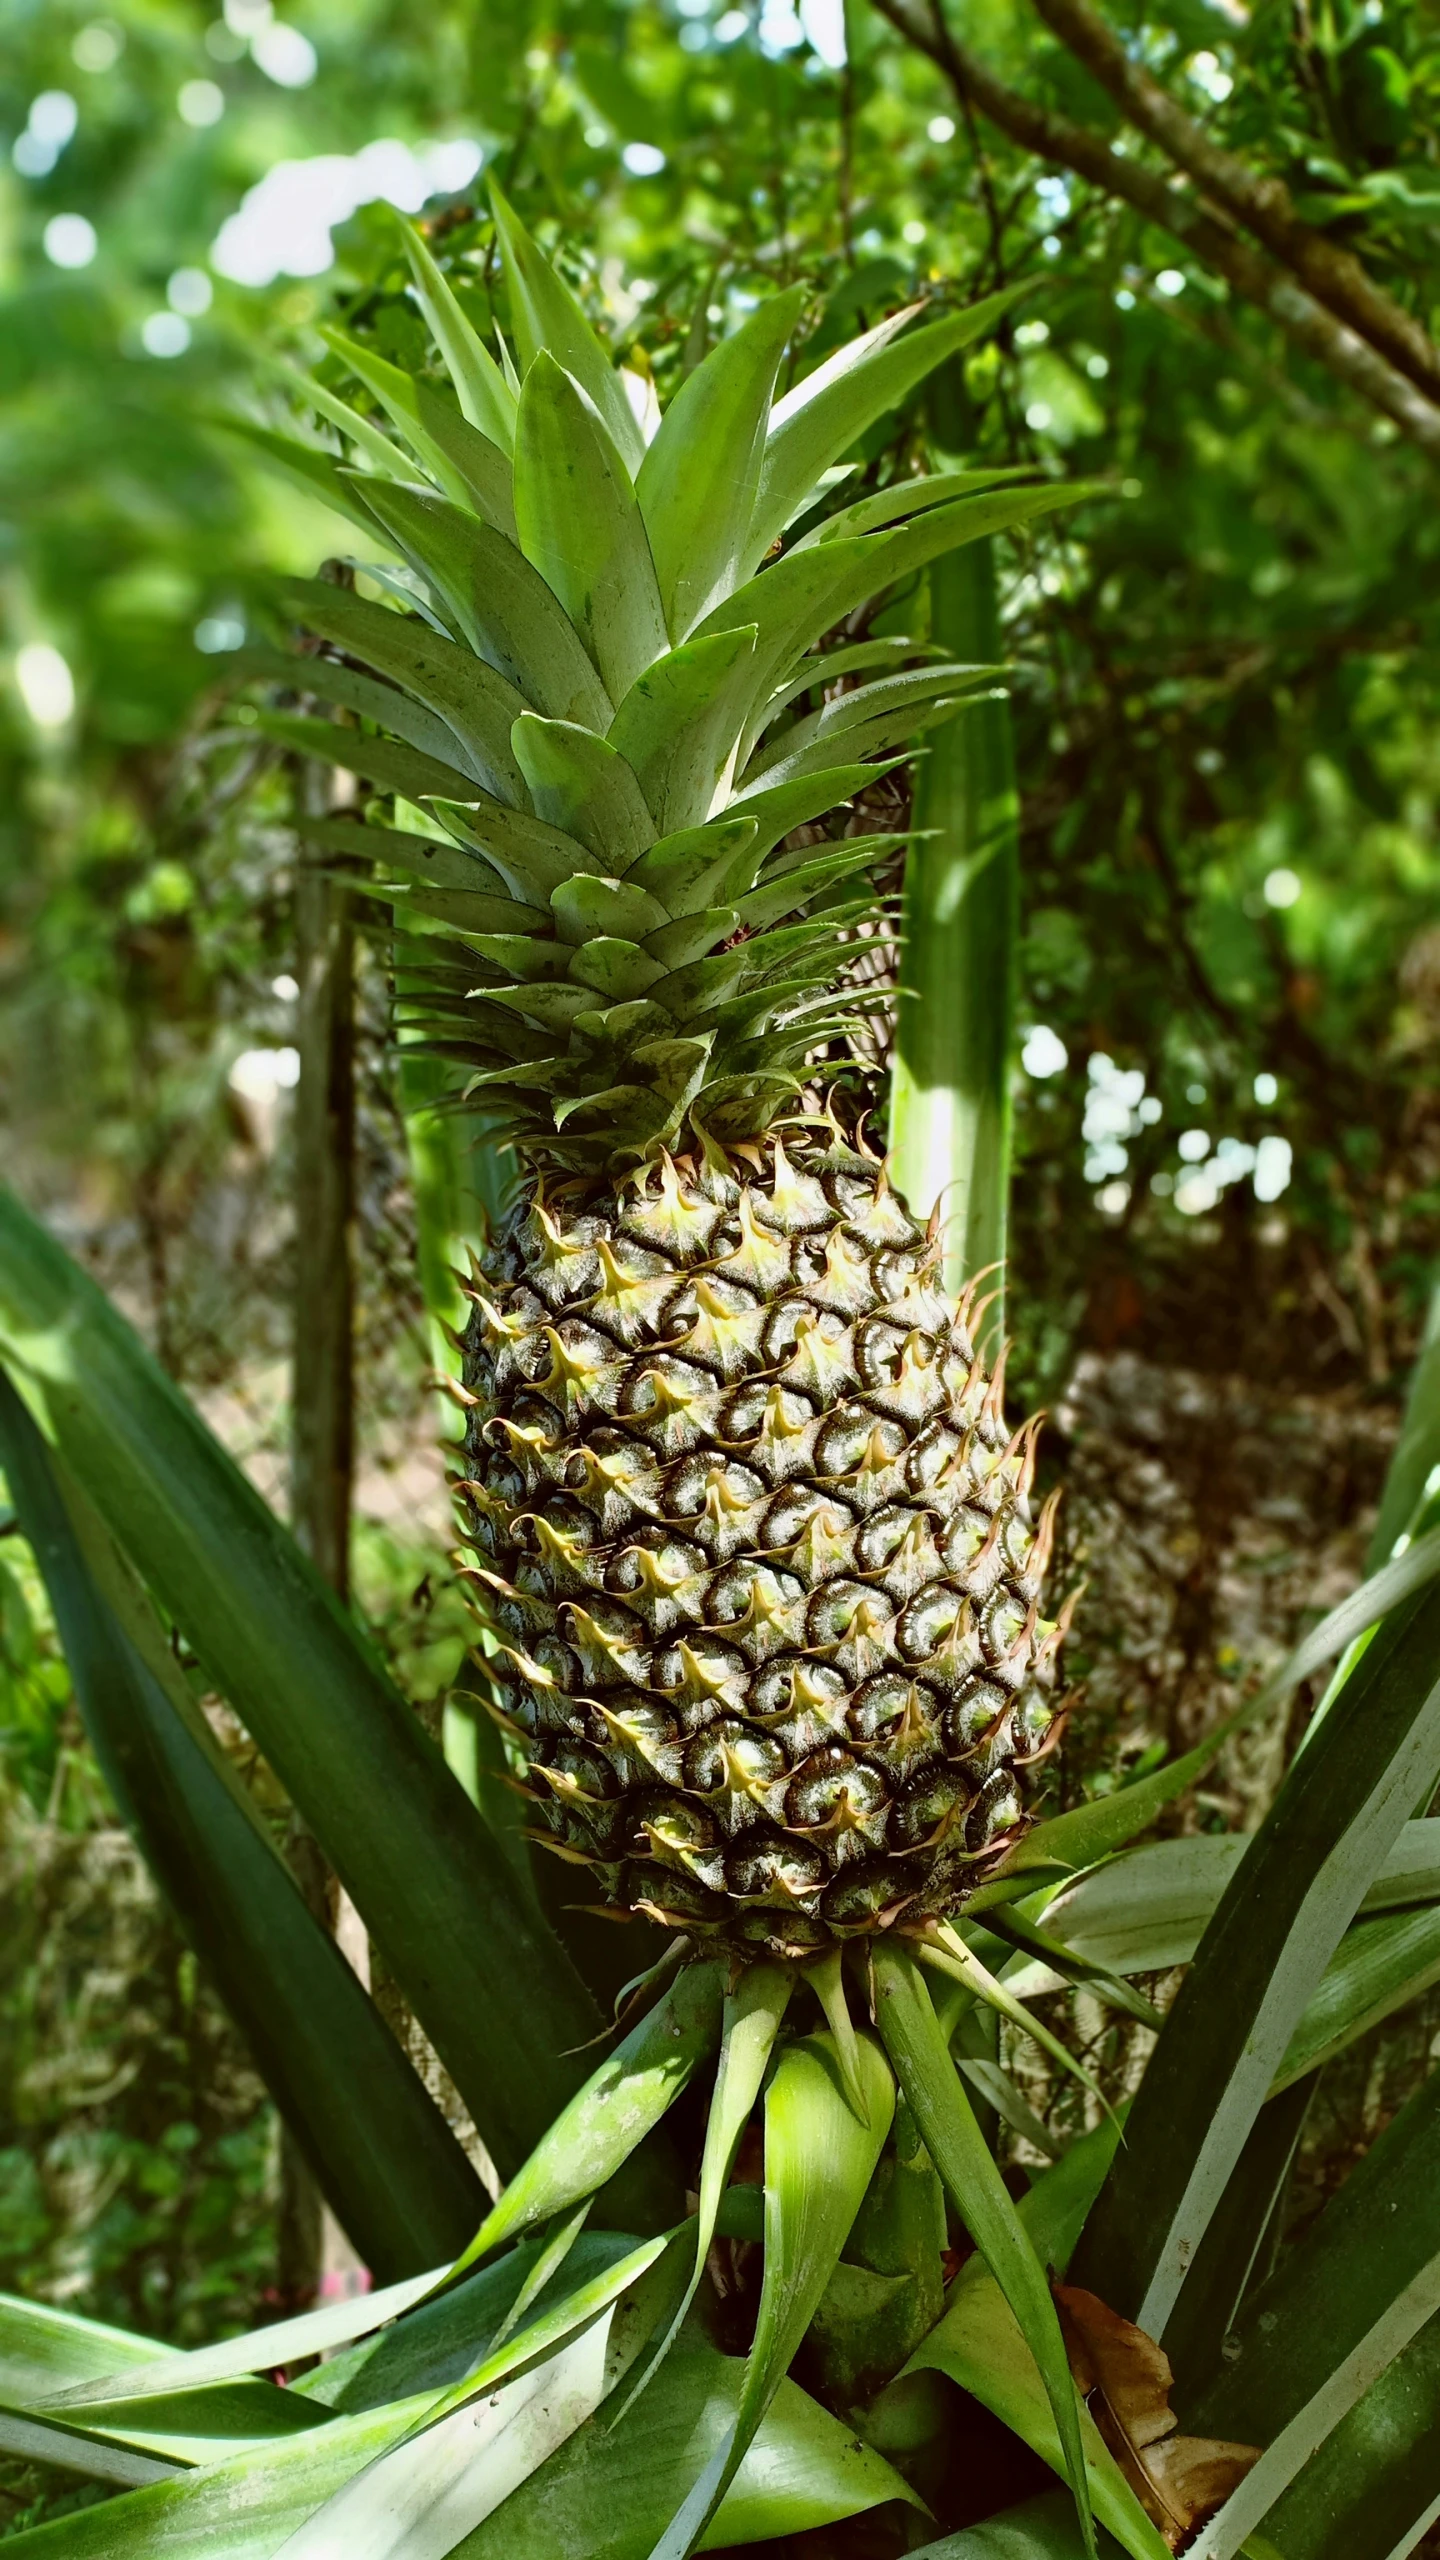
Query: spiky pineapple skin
point(757, 1545)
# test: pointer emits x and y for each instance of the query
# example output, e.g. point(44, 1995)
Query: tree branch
point(1255, 198)
point(1052, 137)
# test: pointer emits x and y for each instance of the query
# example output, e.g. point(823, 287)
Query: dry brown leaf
point(1126, 2381)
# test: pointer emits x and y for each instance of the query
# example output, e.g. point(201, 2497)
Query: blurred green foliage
point(1225, 703)
point(136, 2142)
point(1224, 676)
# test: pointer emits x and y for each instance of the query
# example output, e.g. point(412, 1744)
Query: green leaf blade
point(912, 2036)
point(700, 479)
point(381, 2151)
point(497, 1998)
point(1339, 1813)
point(580, 525)
point(547, 319)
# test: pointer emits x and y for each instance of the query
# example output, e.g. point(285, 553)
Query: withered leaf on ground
point(1126, 2381)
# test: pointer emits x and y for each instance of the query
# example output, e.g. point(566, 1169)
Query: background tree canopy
point(1223, 672)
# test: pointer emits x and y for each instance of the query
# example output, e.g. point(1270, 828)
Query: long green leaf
point(1339, 1813)
point(379, 452)
point(820, 2156)
point(1334, 2286)
point(828, 409)
point(64, 2449)
point(1043, 2529)
point(545, 318)
point(438, 2340)
point(1417, 1452)
point(753, 2011)
point(469, 466)
point(379, 2147)
point(608, 2493)
point(1377, 1968)
point(477, 704)
point(676, 726)
point(950, 1076)
point(838, 728)
point(1232, 2258)
point(405, 718)
point(580, 525)
point(496, 1995)
point(503, 606)
point(480, 387)
point(582, 784)
point(383, 761)
point(617, 2107)
point(980, 2347)
point(488, 2434)
point(241, 2509)
point(699, 482)
point(1148, 1909)
point(884, 559)
point(1345, 2387)
point(1372, 2491)
point(318, 472)
point(145, 2366)
point(194, 2428)
point(45, 2351)
point(911, 2032)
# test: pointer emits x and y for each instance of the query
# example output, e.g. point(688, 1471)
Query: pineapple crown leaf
point(603, 704)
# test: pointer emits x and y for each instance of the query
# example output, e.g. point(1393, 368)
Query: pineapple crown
point(603, 709)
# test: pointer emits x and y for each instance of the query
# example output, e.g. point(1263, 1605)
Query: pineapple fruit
point(745, 1513)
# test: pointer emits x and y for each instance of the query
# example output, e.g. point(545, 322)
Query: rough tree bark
point(1256, 199)
point(1349, 357)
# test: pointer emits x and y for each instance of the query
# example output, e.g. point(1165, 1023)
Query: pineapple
point(745, 1513)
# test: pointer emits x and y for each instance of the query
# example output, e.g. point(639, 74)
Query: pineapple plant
point(754, 1547)
point(745, 1509)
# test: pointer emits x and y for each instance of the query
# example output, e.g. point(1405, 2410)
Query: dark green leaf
point(381, 2151)
point(498, 1999)
point(1337, 1816)
point(928, 2077)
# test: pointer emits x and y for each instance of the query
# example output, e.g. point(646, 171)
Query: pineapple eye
point(670, 1895)
point(775, 1871)
point(973, 1716)
point(730, 1756)
point(863, 1898)
point(702, 1678)
point(971, 1550)
point(792, 1683)
point(734, 1488)
point(834, 1793)
point(997, 1809)
point(927, 1622)
point(673, 1826)
point(896, 1714)
point(578, 1771)
point(930, 1810)
point(853, 1439)
point(1002, 1625)
point(931, 1452)
point(879, 1350)
point(790, 1515)
point(886, 1532)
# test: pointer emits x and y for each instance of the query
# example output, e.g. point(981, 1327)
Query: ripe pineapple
point(758, 1541)
point(747, 1517)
